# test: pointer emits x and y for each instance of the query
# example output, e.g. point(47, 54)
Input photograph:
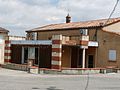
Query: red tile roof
point(3, 30)
point(74, 25)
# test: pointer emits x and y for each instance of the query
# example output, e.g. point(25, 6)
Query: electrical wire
point(112, 12)
point(88, 77)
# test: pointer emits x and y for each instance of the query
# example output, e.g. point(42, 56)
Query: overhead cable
point(112, 12)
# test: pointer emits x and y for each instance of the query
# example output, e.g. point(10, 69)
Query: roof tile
point(73, 25)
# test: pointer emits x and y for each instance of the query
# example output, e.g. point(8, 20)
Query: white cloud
point(22, 15)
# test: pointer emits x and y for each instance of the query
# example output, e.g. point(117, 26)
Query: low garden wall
point(67, 71)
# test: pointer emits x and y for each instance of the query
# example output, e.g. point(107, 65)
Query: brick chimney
point(68, 18)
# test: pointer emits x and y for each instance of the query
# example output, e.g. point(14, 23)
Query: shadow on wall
point(53, 88)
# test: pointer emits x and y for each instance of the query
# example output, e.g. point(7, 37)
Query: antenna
point(68, 10)
point(64, 5)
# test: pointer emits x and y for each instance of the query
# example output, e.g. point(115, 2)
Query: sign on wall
point(112, 55)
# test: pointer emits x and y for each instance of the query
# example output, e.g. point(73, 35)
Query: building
point(5, 50)
point(88, 44)
point(16, 37)
point(3, 35)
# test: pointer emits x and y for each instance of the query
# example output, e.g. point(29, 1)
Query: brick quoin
point(7, 54)
point(57, 41)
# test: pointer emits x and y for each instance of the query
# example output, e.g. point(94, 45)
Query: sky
point(19, 16)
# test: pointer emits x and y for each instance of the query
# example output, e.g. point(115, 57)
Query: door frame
point(23, 50)
point(87, 63)
point(22, 61)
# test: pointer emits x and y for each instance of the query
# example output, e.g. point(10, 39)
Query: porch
point(41, 55)
point(60, 52)
point(72, 57)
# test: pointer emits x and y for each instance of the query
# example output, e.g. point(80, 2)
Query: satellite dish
point(81, 31)
point(84, 31)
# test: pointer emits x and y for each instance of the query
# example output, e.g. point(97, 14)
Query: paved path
point(19, 80)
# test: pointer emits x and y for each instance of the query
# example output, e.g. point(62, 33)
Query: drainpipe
point(83, 62)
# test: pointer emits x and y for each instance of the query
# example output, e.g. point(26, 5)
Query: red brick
point(56, 58)
point(7, 41)
point(7, 54)
point(56, 49)
point(7, 48)
point(56, 41)
point(7, 60)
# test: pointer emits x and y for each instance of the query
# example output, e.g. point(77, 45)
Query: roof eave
point(91, 27)
point(111, 23)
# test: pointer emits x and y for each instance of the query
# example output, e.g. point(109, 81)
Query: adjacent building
point(5, 45)
point(3, 35)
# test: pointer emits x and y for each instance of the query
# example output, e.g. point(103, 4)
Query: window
point(1, 39)
point(112, 55)
point(31, 53)
point(84, 31)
